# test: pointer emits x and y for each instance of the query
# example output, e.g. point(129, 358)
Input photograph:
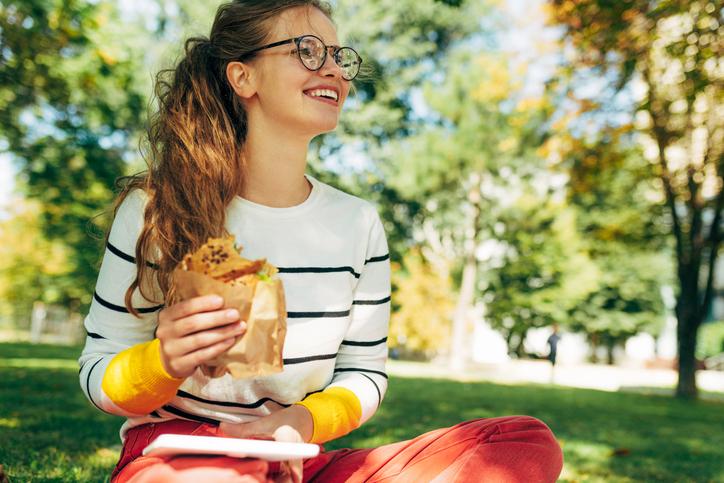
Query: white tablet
point(177, 444)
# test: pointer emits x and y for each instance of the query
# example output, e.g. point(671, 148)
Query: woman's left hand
point(293, 424)
point(296, 416)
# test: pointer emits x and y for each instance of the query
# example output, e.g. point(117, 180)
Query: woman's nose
point(330, 67)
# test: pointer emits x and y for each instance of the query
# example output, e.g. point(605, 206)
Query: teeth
point(323, 93)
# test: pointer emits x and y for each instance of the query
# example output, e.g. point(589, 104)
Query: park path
point(590, 376)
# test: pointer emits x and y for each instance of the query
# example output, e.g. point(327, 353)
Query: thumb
point(287, 434)
point(292, 470)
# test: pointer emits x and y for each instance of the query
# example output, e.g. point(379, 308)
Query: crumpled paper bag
point(258, 352)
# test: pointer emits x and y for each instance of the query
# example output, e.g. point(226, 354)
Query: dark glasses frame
point(298, 40)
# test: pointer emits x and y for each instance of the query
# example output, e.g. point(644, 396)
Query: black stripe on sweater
point(299, 360)
point(120, 254)
point(87, 384)
point(379, 394)
point(357, 369)
point(192, 417)
point(372, 302)
point(364, 343)
point(318, 270)
point(253, 405)
point(118, 308)
point(93, 335)
point(304, 315)
point(378, 259)
point(230, 404)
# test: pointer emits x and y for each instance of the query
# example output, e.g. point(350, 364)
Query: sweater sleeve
point(120, 368)
point(360, 382)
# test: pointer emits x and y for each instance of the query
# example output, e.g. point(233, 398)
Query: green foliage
point(33, 267)
point(545, 273)
point(472, 168)
point(711, 340)
point(71, 107)
point(403, 43)
point(619, 212)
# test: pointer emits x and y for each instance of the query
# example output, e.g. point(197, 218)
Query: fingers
point(192, 306)
point(184, 366)
point(292, 470)
point(205, 338)
point(204, 321)
point(287, 434)
point(194, 331)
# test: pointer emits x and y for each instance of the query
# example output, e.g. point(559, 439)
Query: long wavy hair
point(195, 144)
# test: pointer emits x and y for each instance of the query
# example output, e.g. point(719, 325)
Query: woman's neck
point(275, 168)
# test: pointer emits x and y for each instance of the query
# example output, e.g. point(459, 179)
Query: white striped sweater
point(333, 260)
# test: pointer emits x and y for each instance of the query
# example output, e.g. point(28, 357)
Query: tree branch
point(714, 234)
point(662, 143)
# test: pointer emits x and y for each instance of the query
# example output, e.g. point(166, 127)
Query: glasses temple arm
point(269, 46)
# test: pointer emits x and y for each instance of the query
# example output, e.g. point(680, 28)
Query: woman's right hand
point(194, 331)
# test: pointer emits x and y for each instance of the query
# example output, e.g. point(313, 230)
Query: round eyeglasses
point(312, 52)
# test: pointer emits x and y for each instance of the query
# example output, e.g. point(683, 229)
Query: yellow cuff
point(136, 381)
point(335, 411)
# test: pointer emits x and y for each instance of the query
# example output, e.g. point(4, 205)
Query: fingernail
point(242, 325)
point(232, 314)
point(217, 300)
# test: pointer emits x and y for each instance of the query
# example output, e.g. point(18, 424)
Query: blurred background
point(535, 162)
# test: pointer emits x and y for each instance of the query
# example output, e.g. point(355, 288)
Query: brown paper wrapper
point(258, 352)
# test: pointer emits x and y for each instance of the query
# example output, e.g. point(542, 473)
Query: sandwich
point(250, 286)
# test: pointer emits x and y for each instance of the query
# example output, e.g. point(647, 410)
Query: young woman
point(228, 155)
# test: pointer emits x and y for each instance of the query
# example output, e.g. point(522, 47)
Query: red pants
point(508, 449)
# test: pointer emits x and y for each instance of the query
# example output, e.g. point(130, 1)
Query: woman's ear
point(240, 77)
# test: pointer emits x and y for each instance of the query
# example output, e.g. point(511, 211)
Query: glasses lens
point(311, 52)
point(348, 60)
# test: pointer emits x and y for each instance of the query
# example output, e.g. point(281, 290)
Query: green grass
point(49, 432)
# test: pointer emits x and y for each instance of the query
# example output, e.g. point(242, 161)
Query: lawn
point(49, 432)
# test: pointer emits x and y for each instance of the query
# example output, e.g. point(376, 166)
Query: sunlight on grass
point(40, 363)
point(584, 461)
point(9, 422)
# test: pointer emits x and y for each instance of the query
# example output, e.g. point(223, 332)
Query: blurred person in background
point(553, 340)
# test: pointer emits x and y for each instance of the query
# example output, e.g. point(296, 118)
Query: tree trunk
point(610, 346)
point(593, 354)
point(458, 350)
point(520, 346)
point(687, 329)
point(509, 341)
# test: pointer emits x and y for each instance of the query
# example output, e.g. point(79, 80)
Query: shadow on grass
point(24, 350)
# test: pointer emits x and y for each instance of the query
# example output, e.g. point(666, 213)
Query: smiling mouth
point(324, 95)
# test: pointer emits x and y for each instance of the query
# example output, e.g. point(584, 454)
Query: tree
point(33, 268)
point(460, 164)
point(71, 107)
point(669, 53)
point(622, 222)
point(424, 295)
point(543, 271)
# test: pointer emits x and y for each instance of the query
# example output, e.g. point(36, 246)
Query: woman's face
point(287, 93)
